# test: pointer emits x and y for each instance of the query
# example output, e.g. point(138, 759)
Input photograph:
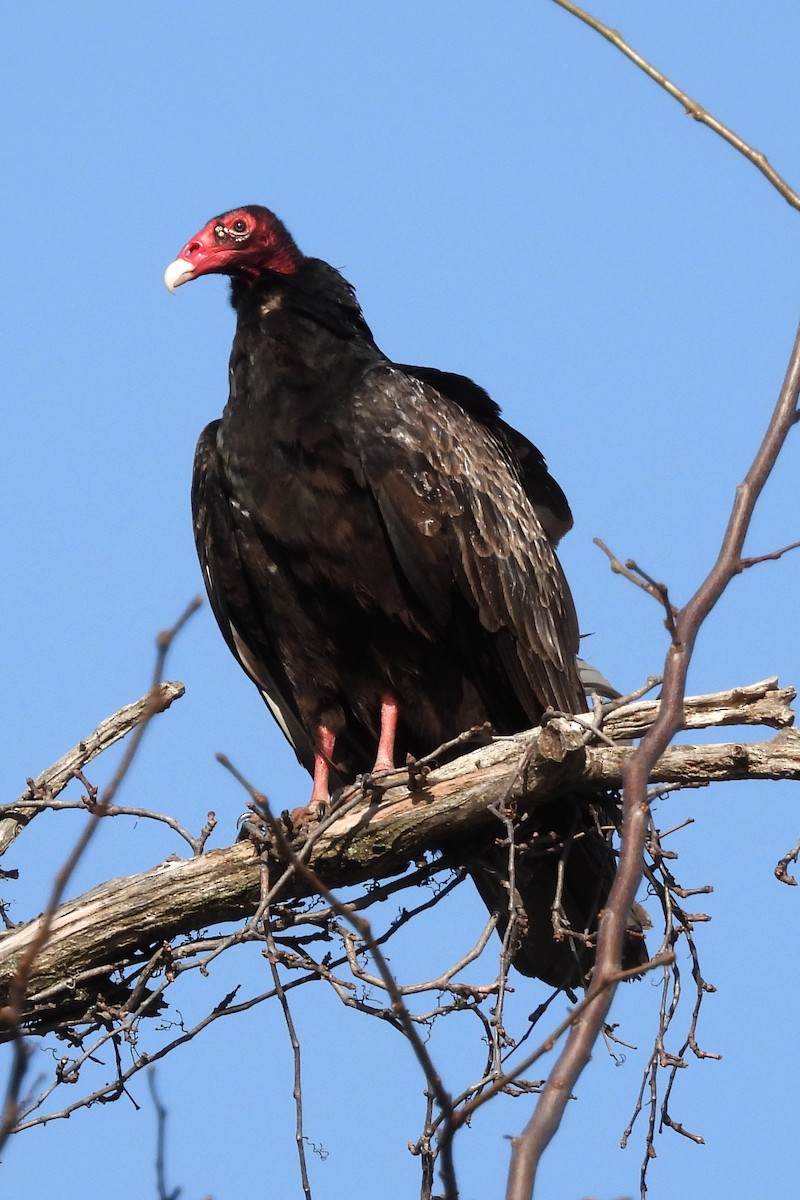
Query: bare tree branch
point(638, 771)
point(692, 108)
point(119, 924)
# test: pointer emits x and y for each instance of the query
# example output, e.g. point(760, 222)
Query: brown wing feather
point(236, 571)
point(541, 488)
point(461, 525)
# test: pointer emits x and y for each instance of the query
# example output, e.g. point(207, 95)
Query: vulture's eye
point(238, 231)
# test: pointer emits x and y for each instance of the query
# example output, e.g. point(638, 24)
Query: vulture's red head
point(243, 243)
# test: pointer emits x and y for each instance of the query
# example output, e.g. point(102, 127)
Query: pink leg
point(320, 791)
point(390, 710)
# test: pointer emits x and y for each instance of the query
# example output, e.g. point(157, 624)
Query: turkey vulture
point(378, 549)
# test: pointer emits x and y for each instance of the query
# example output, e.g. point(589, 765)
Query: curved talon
point(306, 814)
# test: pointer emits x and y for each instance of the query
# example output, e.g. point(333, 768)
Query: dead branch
point(763, 703)
point(14, 817)
point(121, 922)
point(782, 867)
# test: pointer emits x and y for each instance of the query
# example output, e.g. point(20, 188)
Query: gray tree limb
point(120, 922)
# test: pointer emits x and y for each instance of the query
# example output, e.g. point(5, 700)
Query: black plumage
point(378, 548)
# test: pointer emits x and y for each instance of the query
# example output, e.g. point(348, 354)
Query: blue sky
point(512, 200)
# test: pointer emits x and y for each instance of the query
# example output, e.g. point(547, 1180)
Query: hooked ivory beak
point(177, 272)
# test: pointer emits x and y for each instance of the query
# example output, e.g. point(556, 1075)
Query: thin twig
point(773, 557)
point(634, 574)
point(161, 1141)
point(164, 642)
point(297, 1089)
point(692, 108)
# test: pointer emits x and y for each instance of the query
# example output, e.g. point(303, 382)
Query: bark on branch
point(119, 923)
